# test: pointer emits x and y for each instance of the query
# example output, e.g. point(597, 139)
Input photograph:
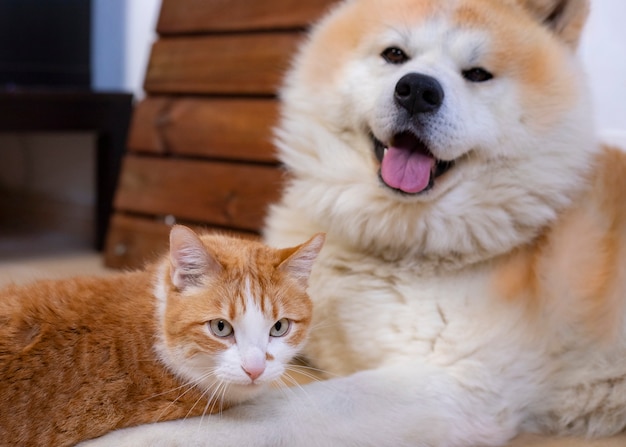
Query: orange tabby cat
point(203, 329)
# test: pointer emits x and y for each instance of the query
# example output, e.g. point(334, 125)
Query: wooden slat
point(132, 242)
point(146, 122)
point(223, 64)
point(135, 241)
point(207, 127)
point(218, 193)
point(192, 16)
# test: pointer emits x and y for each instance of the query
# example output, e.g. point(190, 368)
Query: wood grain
point(227, 128)
point(134, 241)
point(146, 122)
point(241, 64)
point(218, 193)
point(193, 16)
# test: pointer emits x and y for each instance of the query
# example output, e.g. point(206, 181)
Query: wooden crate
point(199, 146)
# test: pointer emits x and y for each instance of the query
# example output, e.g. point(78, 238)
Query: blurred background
point(47, 179)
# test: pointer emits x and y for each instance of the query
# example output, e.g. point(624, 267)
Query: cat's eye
point(221, 328)
point(280, 328)
point(477, 74)
point(394, 55)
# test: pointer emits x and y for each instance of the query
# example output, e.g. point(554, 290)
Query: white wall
point(140, 32)
point(123, 31)
point(603, 50)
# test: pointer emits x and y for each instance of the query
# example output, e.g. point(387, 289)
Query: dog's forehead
point(461, 33)
point(470, 31)
point(447, 16)
point(359, 26)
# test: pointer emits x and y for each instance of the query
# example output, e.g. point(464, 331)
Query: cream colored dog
point(473, 282)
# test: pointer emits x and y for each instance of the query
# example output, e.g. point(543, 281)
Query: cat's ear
point(189, 258)
point(565, 18)
point(298, 261)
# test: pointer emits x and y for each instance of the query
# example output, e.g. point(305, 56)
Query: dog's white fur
point(419, 299)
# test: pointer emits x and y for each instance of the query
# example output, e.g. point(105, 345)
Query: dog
point(473, 281)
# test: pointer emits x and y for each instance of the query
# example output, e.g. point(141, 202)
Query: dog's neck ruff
point(473, 222)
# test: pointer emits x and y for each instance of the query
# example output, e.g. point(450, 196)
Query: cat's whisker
point(322, 325)
point(206, 409)
point(293, 375)
point(171, 390)
point(223, 398)
point(213, 398)
point(314, 372)
point(283, 386)
point(217, 397)
point(204, 393)
point(191, 386)
point(296, 383)
point(310, 372)
point(286, 389)
point(211, 401)
point(201, 419)
point(286, 383)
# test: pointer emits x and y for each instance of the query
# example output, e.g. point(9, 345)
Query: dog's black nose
point(419, 93)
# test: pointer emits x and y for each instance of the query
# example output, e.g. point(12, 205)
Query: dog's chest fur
point(401, 314)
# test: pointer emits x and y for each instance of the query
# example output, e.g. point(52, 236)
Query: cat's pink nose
point(254, 371)
point(253, 362)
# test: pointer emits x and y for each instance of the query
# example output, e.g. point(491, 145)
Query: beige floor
point(81, 262)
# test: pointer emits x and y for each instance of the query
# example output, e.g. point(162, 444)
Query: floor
point(73, 263)
point(27, 255)
point(44, 236)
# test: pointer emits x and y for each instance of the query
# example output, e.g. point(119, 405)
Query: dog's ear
point(565, 18)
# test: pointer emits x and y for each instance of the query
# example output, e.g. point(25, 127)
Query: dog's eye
point(477, 74)
point(394, 55)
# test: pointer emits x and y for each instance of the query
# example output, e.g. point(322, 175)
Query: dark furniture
point(106, 114)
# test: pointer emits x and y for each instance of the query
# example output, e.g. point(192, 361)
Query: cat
point(206, 327)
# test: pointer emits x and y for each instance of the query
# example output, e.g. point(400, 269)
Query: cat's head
point(233, 312)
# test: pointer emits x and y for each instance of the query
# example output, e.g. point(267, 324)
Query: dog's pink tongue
point(406, 170)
